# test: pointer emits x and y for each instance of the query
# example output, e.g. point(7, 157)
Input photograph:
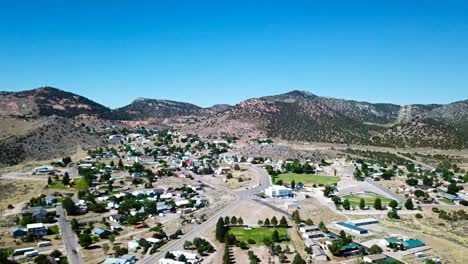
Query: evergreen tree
point(362, 204)
point(346, 204)
point(409, 204)
point(283, 221)
point(298, 260)
point(296, 217)
point(220, 230)
point(393, 204)
point(378, 204)
point(66, 179)
point(274, 221)
point(275, 236)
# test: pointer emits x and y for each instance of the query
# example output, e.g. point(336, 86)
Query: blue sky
point(208, 52)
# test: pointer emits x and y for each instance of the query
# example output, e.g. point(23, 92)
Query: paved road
point(69, 238)
point(385, 190)
point(246, 194)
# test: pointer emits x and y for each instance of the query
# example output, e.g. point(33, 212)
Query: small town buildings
point(223, 170)
point(18, 231)
point(318, 254)
point(116, 218)
point(125, 259)
point(39, 214)
point(37, 229)
point(133, 245)
point(101, 232)
point(144, 159)
point(50, 200)
point(374, 258)
point(403, 244)
point(170, 261)
point(190, 257)
point(278, 191)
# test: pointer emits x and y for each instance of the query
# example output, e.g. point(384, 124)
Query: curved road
point(263, 181)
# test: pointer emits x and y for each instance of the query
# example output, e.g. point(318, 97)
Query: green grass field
point(80, 185)
point(369, 198)
point(57, 185)
point(307, 179)
point(257, 234)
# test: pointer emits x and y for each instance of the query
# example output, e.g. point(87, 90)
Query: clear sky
point(208, 52)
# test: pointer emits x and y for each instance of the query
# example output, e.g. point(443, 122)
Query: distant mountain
point(296, 115)
point(144, 108)
point(299, 115)
point(47, 101)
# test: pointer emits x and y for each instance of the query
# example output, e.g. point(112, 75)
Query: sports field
point(369, 198)
point(256, 234)
point(307, 179)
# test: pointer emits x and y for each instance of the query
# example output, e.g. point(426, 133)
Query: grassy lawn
point(307, 179)
point(369, 198)
point(80, 185)
point(256, 234)
point(57, 185)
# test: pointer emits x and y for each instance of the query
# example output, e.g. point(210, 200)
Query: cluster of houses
point(433, 194)
point(315, 239)
point(36, 230)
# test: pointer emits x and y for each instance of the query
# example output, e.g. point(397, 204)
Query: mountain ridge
point(295, 115)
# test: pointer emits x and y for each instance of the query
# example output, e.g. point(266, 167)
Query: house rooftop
point(36, 225)
point(413, 243)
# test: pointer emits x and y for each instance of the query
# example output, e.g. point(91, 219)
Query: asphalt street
point(246, 194)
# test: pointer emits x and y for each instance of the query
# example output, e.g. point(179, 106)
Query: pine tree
point(275, 236)
point(378, 204)
point(296, 217)
point(362, 204)
point(274, 221)
point(220, 230)
point(346, 204)
point(283, 221)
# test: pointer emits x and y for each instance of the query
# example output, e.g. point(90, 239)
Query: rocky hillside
point(55, 137)
point(296, 115)
point(144, 108)
point(47, 101)
point(303, 116)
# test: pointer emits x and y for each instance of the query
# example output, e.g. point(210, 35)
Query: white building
point(190, 257)
point(144, 159)
point(278, 191)
point(170, 261)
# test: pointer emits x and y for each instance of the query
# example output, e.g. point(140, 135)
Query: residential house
point(37, 229)
point(101, 232)
point(50, 200)
point(116, 218)
point(19, 231)
point(190, 257)
point(318, 254)
point(144, 159)
point(170, 261)
point(374, 258)
point(125, 259)
point(39, 215)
